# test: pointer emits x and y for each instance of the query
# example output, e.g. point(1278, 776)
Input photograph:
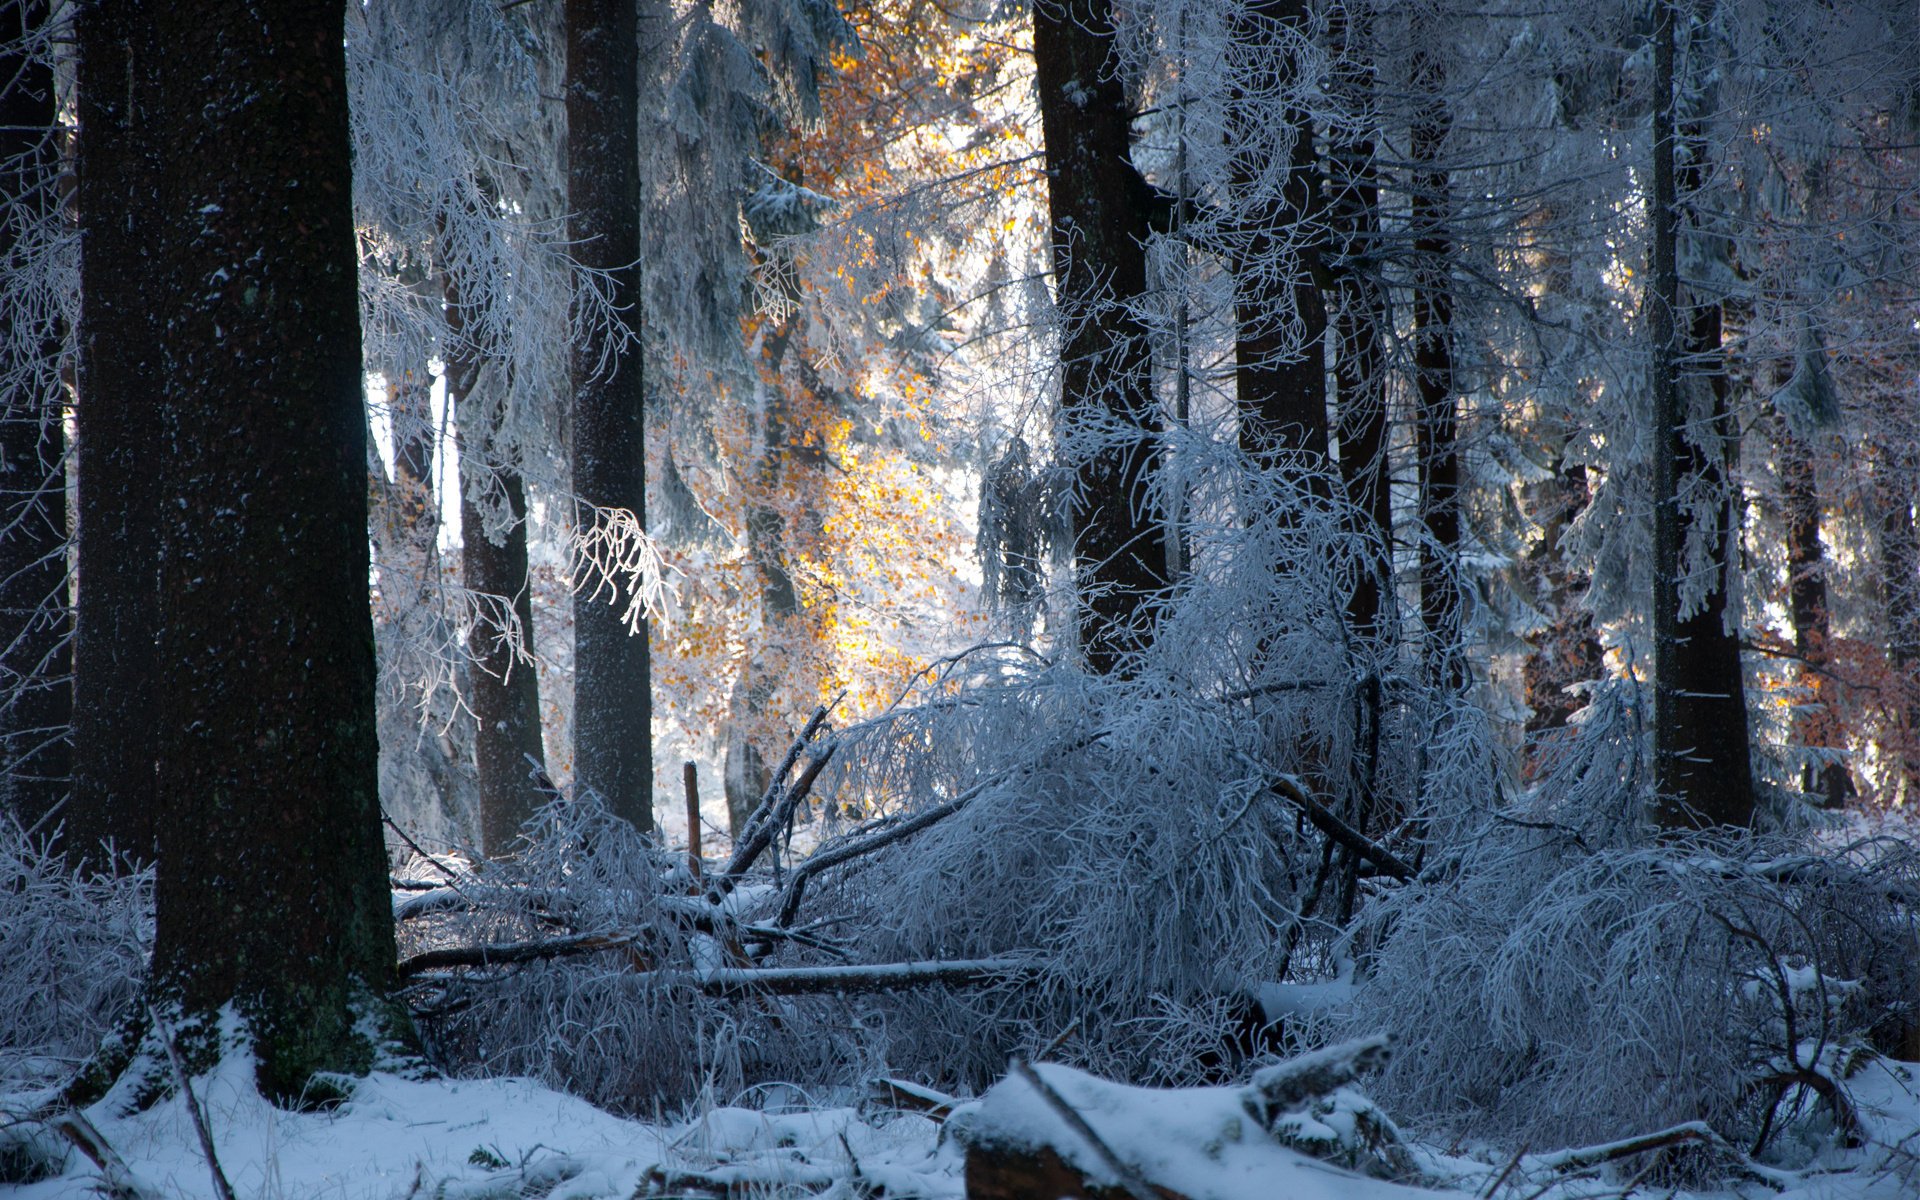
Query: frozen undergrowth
point(73, 952)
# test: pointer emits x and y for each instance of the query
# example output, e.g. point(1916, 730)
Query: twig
point(1288, 788)
point(221, 1187)
point(1131, 1179)
point(1502, 1176)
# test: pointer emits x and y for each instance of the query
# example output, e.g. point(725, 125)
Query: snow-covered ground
point(510, 1138)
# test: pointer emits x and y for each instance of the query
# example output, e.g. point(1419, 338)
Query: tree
point(226, 123)
point(612, 696)
point(114, 724)
point(502, 688)
point(35, 624)
point(1101, 208)
point(1276, 233)
point(1702, 772)
point(1436, 424)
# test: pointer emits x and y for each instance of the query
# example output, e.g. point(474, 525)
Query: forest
point(1182, 599)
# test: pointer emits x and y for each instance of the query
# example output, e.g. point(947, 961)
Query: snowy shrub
point(73, 956)
point(1560, 979)
point(627, 1027)
point(1123, 836)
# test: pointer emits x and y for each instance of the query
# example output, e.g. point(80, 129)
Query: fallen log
point(1073, 1135)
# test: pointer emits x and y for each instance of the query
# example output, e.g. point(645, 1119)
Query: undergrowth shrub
point(73, 956)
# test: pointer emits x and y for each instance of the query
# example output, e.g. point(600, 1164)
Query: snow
point(401, 1137)
point(473, 1139)
point(1201, 1142)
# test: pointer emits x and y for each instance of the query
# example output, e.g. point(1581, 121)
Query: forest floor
point(512, 1139)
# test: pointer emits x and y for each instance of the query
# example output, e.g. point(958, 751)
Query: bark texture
point(612, 689)
point(1100, 208)
point(1702, 771)
point(36, 697)
point(116, 409)
point(271, 892)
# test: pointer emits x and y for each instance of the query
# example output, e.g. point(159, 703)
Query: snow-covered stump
point(1056, 1132)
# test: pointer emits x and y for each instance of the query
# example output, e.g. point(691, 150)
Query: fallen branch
point(831, 857)
point(739, 1179)
point(860, 844)
point(221, 1187)
point(1693, 1133)
point(902, 1096)
point(116, 1178)
point(510, 953)
point(878, 977)
point(1389, 863)
point(778, 800)
point(727, 981)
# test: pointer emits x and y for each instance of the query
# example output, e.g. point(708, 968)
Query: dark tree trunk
point(1280, 364)
point(272, 881)
point(612, 691)
point(1359, 316)
point(503, 689)
point(115, 713)
point(36, 698)
point(1814, 724)
point(1702, 772)
point(1437, 423)
point(1100, 208)
point(1894, 474)
point(1566, 650)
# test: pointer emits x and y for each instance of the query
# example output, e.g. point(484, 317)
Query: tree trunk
point(117, 429)
point(1436, 426)
point(1100, 206)
point(271, 893)
point(1815, 726)
point(612, 692)
point(1566, 650)
point(36, 698)
point(503, 689)
point(1280, 365)
point(1359, 316)
point(1893, 472)
point(1702, 772)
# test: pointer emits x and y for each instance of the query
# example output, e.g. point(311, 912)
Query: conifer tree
point(227, 126)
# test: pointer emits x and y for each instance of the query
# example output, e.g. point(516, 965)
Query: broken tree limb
point(761, 826)
point(1288, 788)
point(728, 981)
point(504, 954)
point(1290, 1086)
point(221, 1187)
point(874, 977)
point(847, 851)
point(116, 1179)
point(904, 1096)
point(1692, 1133)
